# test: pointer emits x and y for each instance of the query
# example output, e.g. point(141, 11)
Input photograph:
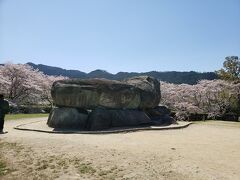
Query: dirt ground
point(200, 151)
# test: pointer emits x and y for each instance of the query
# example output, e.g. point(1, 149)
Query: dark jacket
point(4, 106)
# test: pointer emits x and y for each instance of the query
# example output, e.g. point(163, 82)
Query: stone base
point(100, 118)
point(67, 118)
point(103, 118)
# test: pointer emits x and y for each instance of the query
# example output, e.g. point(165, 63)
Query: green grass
point(3, 168)
point(219, 123)
point(86, 169)
point(23, 116)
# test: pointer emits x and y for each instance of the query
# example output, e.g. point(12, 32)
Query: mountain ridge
point(176, 77)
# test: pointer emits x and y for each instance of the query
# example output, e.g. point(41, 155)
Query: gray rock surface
point(160, 115)
point(149, 90)
point(94, 93)
point(158, 111)
point(137, 92)
point(67, 118)
point(110, 103)
point(104, 118)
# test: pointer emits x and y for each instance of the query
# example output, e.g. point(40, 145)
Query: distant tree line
point(170, 76)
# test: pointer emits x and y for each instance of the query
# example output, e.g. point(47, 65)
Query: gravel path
point(200, 151)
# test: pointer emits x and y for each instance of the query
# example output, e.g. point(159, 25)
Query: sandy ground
point(200, 151)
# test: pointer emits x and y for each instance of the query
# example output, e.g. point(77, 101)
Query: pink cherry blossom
point(22, 84)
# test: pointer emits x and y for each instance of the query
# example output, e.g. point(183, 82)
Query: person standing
point(4, 109)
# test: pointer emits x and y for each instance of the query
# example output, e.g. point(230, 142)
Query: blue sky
point(120, 35)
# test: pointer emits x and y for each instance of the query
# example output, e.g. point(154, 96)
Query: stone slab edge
point(134, 129)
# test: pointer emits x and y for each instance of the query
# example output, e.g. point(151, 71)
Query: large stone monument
point(97, 104)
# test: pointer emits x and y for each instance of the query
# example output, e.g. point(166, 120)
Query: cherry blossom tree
point(22, 84)
point(179, 97)
point(46, 88)
point(208, 96)
point(19, 81)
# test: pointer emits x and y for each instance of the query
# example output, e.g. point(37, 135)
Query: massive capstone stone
point(93, 93)
point(149, 90)
point(135, 93)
